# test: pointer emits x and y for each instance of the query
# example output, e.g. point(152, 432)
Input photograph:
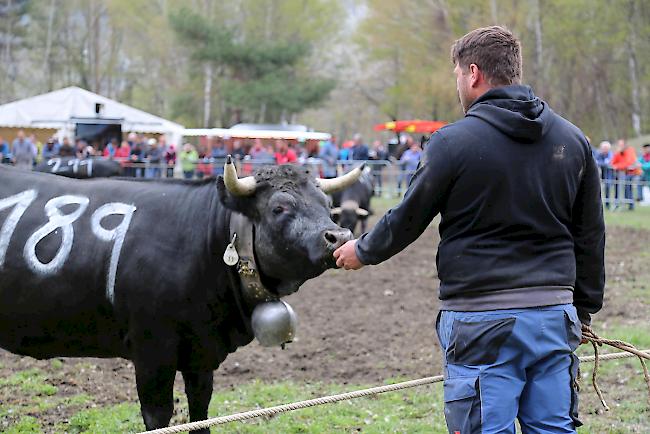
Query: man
point(644, 162)
point(51, 149)
point(283, 153)
point(154, 155)
point(521, 255)
point(328, 154)
point(23, 151)
point(359, 150)
point(218, 154)
point(378, 153)
point(5, 151)
point(626, 165)
point(604, 161)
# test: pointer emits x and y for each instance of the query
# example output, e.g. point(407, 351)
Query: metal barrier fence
point(620, 190)
point(390, 178)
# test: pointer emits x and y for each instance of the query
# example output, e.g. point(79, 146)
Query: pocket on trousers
point(463, 405)
point(573, 330)
point(573, 371)
point(478, 343)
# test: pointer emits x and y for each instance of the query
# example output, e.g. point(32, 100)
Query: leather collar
point(243, 233)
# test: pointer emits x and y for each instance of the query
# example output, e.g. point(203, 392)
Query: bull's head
point(349, 214)
point(294, 234)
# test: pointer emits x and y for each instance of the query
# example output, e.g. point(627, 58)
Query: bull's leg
point(198, 388)
point(155, 383)
point(364, 224)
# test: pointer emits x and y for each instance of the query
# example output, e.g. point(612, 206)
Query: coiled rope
point(271, 411)
point(629, 349)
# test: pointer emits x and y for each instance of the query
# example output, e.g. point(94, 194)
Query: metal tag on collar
point(230, 256)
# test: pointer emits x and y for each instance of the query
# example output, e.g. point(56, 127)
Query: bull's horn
point(361, 212)
point(336, 211)
point(341, 182)
point(236, 186)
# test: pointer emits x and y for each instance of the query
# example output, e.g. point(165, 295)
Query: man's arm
point(404, 223)
point(588, 230)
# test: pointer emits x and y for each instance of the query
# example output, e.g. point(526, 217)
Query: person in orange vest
point(626, 165)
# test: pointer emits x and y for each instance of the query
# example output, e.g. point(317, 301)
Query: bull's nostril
point(331, 237)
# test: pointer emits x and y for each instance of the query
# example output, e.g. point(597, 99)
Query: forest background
point(336, 65)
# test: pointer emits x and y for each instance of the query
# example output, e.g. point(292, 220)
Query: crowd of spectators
point(141, 156)
point(623, 174)
point(152, 157)
point(621, 171)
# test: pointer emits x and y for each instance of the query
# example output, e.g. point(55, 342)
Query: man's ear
point(242, 205)
point(476, 75)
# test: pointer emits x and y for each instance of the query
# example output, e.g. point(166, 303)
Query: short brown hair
point(496, 52)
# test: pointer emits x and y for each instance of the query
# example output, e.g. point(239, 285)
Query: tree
point(261, 79)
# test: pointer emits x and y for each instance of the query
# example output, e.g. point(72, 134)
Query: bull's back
point(80, 259)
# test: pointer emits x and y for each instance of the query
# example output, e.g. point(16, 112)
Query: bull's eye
point(278, 210)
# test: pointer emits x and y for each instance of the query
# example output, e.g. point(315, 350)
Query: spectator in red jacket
point(284, 154)
point(625, 163)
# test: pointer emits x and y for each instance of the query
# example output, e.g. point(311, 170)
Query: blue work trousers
point(511, 364)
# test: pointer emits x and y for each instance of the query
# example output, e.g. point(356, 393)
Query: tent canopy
point(64, 107)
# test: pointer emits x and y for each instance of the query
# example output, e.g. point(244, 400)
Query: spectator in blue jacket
point(359, 149)
point(328, 153)
point(644, 161)
point(51, 149)
point(5, 151)
point(604, 160)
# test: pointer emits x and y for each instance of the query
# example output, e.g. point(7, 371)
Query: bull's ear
point(240, 204)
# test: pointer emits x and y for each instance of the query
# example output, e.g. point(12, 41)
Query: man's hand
point(346, 256)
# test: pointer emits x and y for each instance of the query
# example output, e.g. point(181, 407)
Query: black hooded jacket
point(521, 215)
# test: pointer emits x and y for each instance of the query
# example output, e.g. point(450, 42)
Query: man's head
point(485, 58)
point(21, 134)
point(357, 139)
point(646, 148)
point(281, 145)
point(605, 147)
point(620, 145)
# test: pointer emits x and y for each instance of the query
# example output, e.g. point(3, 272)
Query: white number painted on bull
point(116, 235)
point(57, 220)
point(20, 201)
point(75, 163)
point(56, 162)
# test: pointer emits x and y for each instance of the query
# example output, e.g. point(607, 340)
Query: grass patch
point(26, 424)
point(31, 381)
point(639, 218)
point(413, 411)
point(119, 418)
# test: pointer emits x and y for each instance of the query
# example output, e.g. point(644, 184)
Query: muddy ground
point(354, 327)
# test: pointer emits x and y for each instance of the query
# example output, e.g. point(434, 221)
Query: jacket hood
point(513, 110)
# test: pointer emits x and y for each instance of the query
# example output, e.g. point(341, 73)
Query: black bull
point(118, 268)
point(352, 205)
point(72, 167)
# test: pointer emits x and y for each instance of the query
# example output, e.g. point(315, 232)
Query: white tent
point(59, 109)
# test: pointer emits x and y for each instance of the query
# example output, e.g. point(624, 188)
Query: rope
point(630, 350)
point(271, 411)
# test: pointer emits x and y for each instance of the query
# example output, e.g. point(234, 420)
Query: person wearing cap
point(154, 156)
point(522, 242)
point(51, 149)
